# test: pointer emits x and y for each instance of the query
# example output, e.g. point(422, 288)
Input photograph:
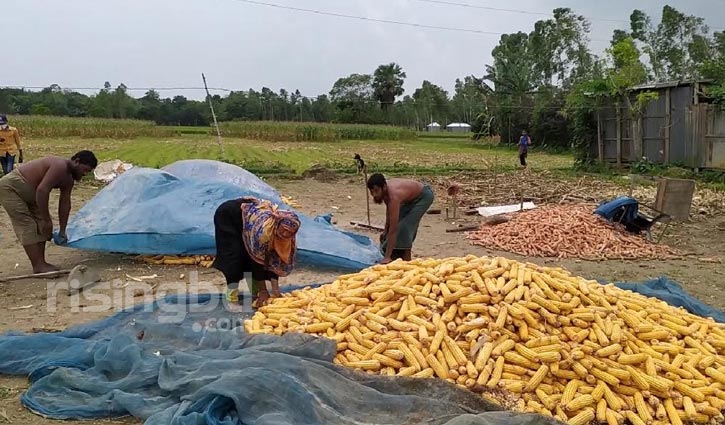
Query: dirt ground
point(23, 304)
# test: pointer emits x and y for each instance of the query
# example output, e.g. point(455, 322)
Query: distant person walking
point(524, 143)
point(9, 146)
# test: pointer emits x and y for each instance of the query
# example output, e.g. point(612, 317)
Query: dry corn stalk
point(567, 231)
point(205, 261)
point(564, 346)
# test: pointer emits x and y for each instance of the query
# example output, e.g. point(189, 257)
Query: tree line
point(547, 81)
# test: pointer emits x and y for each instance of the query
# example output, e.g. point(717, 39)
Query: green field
point(274, 148)
point(418, 156)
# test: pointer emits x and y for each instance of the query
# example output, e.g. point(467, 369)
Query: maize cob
point(583, 418)
point(537, 378)
point(526, 329)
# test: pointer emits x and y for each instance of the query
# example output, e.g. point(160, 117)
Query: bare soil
point(23, 304)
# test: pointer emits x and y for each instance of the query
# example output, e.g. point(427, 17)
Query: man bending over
point(406, 202)
point(25, 193)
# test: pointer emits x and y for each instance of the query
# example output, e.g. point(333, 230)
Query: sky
point(238, 45)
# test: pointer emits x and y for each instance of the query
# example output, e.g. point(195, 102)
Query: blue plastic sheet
point(171, 211)
point(672, 293)
point(173, 363)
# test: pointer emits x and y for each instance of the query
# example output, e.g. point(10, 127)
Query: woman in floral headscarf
point(254, 236)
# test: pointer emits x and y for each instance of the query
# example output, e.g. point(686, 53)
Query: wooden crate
point(674, 198)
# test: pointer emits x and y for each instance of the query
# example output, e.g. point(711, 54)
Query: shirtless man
point(25, 193)
point(406, 202)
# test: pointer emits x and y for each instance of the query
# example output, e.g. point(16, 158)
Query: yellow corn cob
point(689, 407)
point(631, 359)
point(425, 373)
point(579, 403)
point(583, 418)
point(613, 401)
point(364, 364)
point(437, 340)
point(672, 414)
point(455, 350)
point(609, 350)
point(537, 378)
point(598, 391)
point(497, 372)
point(642, 408)
point(439, 370)
point(715, 374)
point(570, 391)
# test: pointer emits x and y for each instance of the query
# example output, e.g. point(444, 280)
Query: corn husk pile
point(567, 231)
point(558, 344)
point(544, 187)
point(178, 260)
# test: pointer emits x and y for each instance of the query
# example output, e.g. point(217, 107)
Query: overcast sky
point(168, 43)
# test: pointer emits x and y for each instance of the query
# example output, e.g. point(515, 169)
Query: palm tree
point(388, 84)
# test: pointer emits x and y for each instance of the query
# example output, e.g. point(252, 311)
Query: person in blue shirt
point(524, 143)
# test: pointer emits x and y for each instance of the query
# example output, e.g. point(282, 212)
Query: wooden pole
point(367, 193)
point(668, 124)
point(600, 142)
point(619, 134)
point(213, 115)
point(47, 275)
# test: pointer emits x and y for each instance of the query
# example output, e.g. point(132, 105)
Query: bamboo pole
point(213, 115)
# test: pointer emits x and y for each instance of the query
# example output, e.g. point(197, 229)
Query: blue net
point(171, 211)
point(184, 361)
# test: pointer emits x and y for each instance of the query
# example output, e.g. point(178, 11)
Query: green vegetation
point(409, 157)
point(38, 126)
point(312, 132)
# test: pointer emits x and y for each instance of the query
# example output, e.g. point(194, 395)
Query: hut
point(433, 127)
point(458, 127)
point(681, 126)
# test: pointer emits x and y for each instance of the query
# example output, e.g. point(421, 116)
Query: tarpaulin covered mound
point(149, 211)
point(216, 171)
point(172, 363)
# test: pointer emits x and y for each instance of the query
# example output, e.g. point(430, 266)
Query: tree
point(432, 102)
point(625, 70)
point(388, 84)
point(354, 98)
point(102, 103)
point(470, 98)
point(559, 48)
point(150, 107)
point(676, 47)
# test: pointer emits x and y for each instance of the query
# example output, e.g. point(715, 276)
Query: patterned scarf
point(270, 235)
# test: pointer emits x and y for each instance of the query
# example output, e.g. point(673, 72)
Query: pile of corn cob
point(205, 261)
point(558, 344)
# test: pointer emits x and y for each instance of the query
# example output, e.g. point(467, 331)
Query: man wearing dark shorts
point(25, 194)
point(406, 202)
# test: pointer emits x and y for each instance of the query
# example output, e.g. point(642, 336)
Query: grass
point(37, 126)
point(422, 156)
point(312, 132)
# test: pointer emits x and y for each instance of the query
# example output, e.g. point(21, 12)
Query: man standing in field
point(25, 194)
point(406, 202)
point(524, 143)
point(9, 146)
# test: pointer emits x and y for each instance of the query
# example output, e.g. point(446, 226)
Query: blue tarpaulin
point(171, 211)
point(672, 293)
